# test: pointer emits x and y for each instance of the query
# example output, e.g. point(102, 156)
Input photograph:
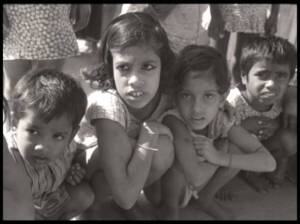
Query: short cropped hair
point(51, 94)
point(276, 49)
point(202, 58)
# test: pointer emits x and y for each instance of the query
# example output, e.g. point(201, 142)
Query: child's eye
point(263, 75)
point(185, 95)
point(210, 97)
point(59, 137)
point(122, 68)
point(32, 131)
point(283, 75)
point(148, 67)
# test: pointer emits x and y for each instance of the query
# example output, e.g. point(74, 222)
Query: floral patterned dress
point(247, 18)
point(39, 32)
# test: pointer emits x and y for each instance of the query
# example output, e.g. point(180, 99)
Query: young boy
point(47, 107)
point(266, 106)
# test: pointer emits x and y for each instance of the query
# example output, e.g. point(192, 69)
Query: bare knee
point(163, 158)
point(82, 196)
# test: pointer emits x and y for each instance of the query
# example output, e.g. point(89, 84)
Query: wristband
point(147, 148)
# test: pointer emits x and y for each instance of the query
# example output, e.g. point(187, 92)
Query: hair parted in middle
point(132, 29)
point(202, 58)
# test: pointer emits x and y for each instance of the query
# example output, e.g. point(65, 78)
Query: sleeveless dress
point(39, 32)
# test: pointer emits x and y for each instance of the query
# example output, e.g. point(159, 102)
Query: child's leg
point(13, 71)
point(206, 195)
point(173, 184)
point(95, 176)
point(81, 197)
point(162, 159)
point(282, 145)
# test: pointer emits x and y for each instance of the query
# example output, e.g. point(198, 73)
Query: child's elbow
point(271, 164)
point(124, 200)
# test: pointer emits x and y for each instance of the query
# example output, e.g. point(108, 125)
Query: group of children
point(168, 125)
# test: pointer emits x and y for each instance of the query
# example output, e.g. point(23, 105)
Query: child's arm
point(80, 16)
point(125, 168)
point(255, 157)
point(17, 196)
point(216, 26)
point(271, 22)
point(184, 151)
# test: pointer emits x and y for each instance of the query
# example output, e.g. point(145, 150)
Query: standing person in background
point(39, 36)
point(247, 20)
point(185, 24)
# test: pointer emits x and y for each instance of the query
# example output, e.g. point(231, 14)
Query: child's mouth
point(136, 94)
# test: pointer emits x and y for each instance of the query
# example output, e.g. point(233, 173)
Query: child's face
point(136, 73)
point(199, 100)
point(266, 83)
point(40, 142)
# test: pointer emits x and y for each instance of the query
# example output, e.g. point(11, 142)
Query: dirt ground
point(278, 204)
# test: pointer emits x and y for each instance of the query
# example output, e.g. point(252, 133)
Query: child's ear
point(244, 78)
point(74, 132)
point(223, 98)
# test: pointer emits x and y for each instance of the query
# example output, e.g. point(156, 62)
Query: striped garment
point(48, 190)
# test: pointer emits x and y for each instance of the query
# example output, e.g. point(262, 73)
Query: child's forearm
point(260, 161)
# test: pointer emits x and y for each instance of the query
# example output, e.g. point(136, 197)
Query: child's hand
point(289, 112)
point(205, 148)
point(75, 174)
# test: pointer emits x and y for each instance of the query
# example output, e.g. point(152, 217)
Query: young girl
point(47, 107)
point(267, 65)
point(39, 36)
point(133, 149)
point(201, 123)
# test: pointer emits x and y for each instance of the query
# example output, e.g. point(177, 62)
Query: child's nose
point(135, 80)
point(271, 83)
point(198, 106)
point(40, 147)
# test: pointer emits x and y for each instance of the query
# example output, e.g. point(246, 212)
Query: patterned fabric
point(243, 110)
point(39, 32)
point(185, 24)
point(247, 18)
point(108, 105)
point(47, 186)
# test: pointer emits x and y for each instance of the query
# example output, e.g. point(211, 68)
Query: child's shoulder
point(105, 98)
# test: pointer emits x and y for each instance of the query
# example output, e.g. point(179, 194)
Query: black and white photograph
point(149, 111)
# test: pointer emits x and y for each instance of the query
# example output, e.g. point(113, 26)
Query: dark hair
point(51, 93)
point(202, 58)
point(277, 49)
point(132, 29)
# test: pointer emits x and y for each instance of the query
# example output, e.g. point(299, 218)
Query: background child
point(201, 123)
point(134, 149)
point(267, 65)
point(247, 21)
point(39, 36)
point(17, 198)
point(47, 107)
